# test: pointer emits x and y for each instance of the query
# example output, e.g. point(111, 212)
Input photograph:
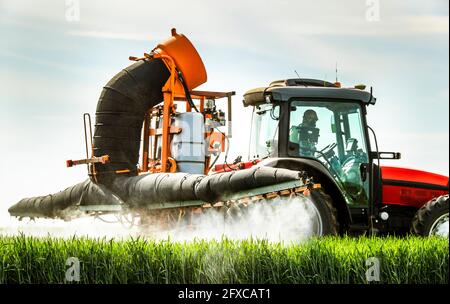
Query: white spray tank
point(188, 147)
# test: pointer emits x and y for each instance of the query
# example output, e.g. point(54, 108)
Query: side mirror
point(385, 155)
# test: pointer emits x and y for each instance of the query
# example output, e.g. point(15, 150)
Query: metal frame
point(285, 188)
point(173, 94)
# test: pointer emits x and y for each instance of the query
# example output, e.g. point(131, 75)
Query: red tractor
point(318, 127)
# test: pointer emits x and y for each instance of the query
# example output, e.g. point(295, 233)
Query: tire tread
point(423, 218)
point(319, 195)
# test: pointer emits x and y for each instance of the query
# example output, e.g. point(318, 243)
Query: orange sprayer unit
point(187, 72)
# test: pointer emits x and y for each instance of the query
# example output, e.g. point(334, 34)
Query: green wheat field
point(410, 260)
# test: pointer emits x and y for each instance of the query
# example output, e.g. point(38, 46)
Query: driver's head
point(310, 118)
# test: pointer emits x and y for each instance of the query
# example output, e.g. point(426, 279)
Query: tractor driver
point(306, 134)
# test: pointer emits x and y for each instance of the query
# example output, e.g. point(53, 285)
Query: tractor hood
point(414, 177)
point(409, 187)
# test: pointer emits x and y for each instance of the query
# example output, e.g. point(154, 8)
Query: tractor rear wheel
point(432, 218)
point(291, 218)
point(326, 212)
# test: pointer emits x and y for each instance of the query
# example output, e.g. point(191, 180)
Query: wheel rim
point(440, 226)
point(309, 224)
point(291, 219)
point(316, 219)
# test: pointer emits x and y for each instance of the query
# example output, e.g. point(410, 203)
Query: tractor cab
point(318, 121)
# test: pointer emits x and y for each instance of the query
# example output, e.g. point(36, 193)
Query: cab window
point(332, 133)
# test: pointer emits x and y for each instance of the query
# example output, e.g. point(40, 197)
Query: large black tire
point(327, 212)
point(427, 216)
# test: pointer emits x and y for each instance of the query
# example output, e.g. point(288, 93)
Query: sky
point(55, 57)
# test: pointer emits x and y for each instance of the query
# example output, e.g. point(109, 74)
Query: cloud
point(388, 27)
point(420, 150)
point(65, 67)
point(426, 25)
point(114, 35)
point(231, 22)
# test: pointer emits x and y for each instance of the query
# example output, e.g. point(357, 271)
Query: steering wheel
point(327, 149)
point(329, 158)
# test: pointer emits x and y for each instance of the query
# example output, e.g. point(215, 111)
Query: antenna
point(295, 71)
point(336, 71)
